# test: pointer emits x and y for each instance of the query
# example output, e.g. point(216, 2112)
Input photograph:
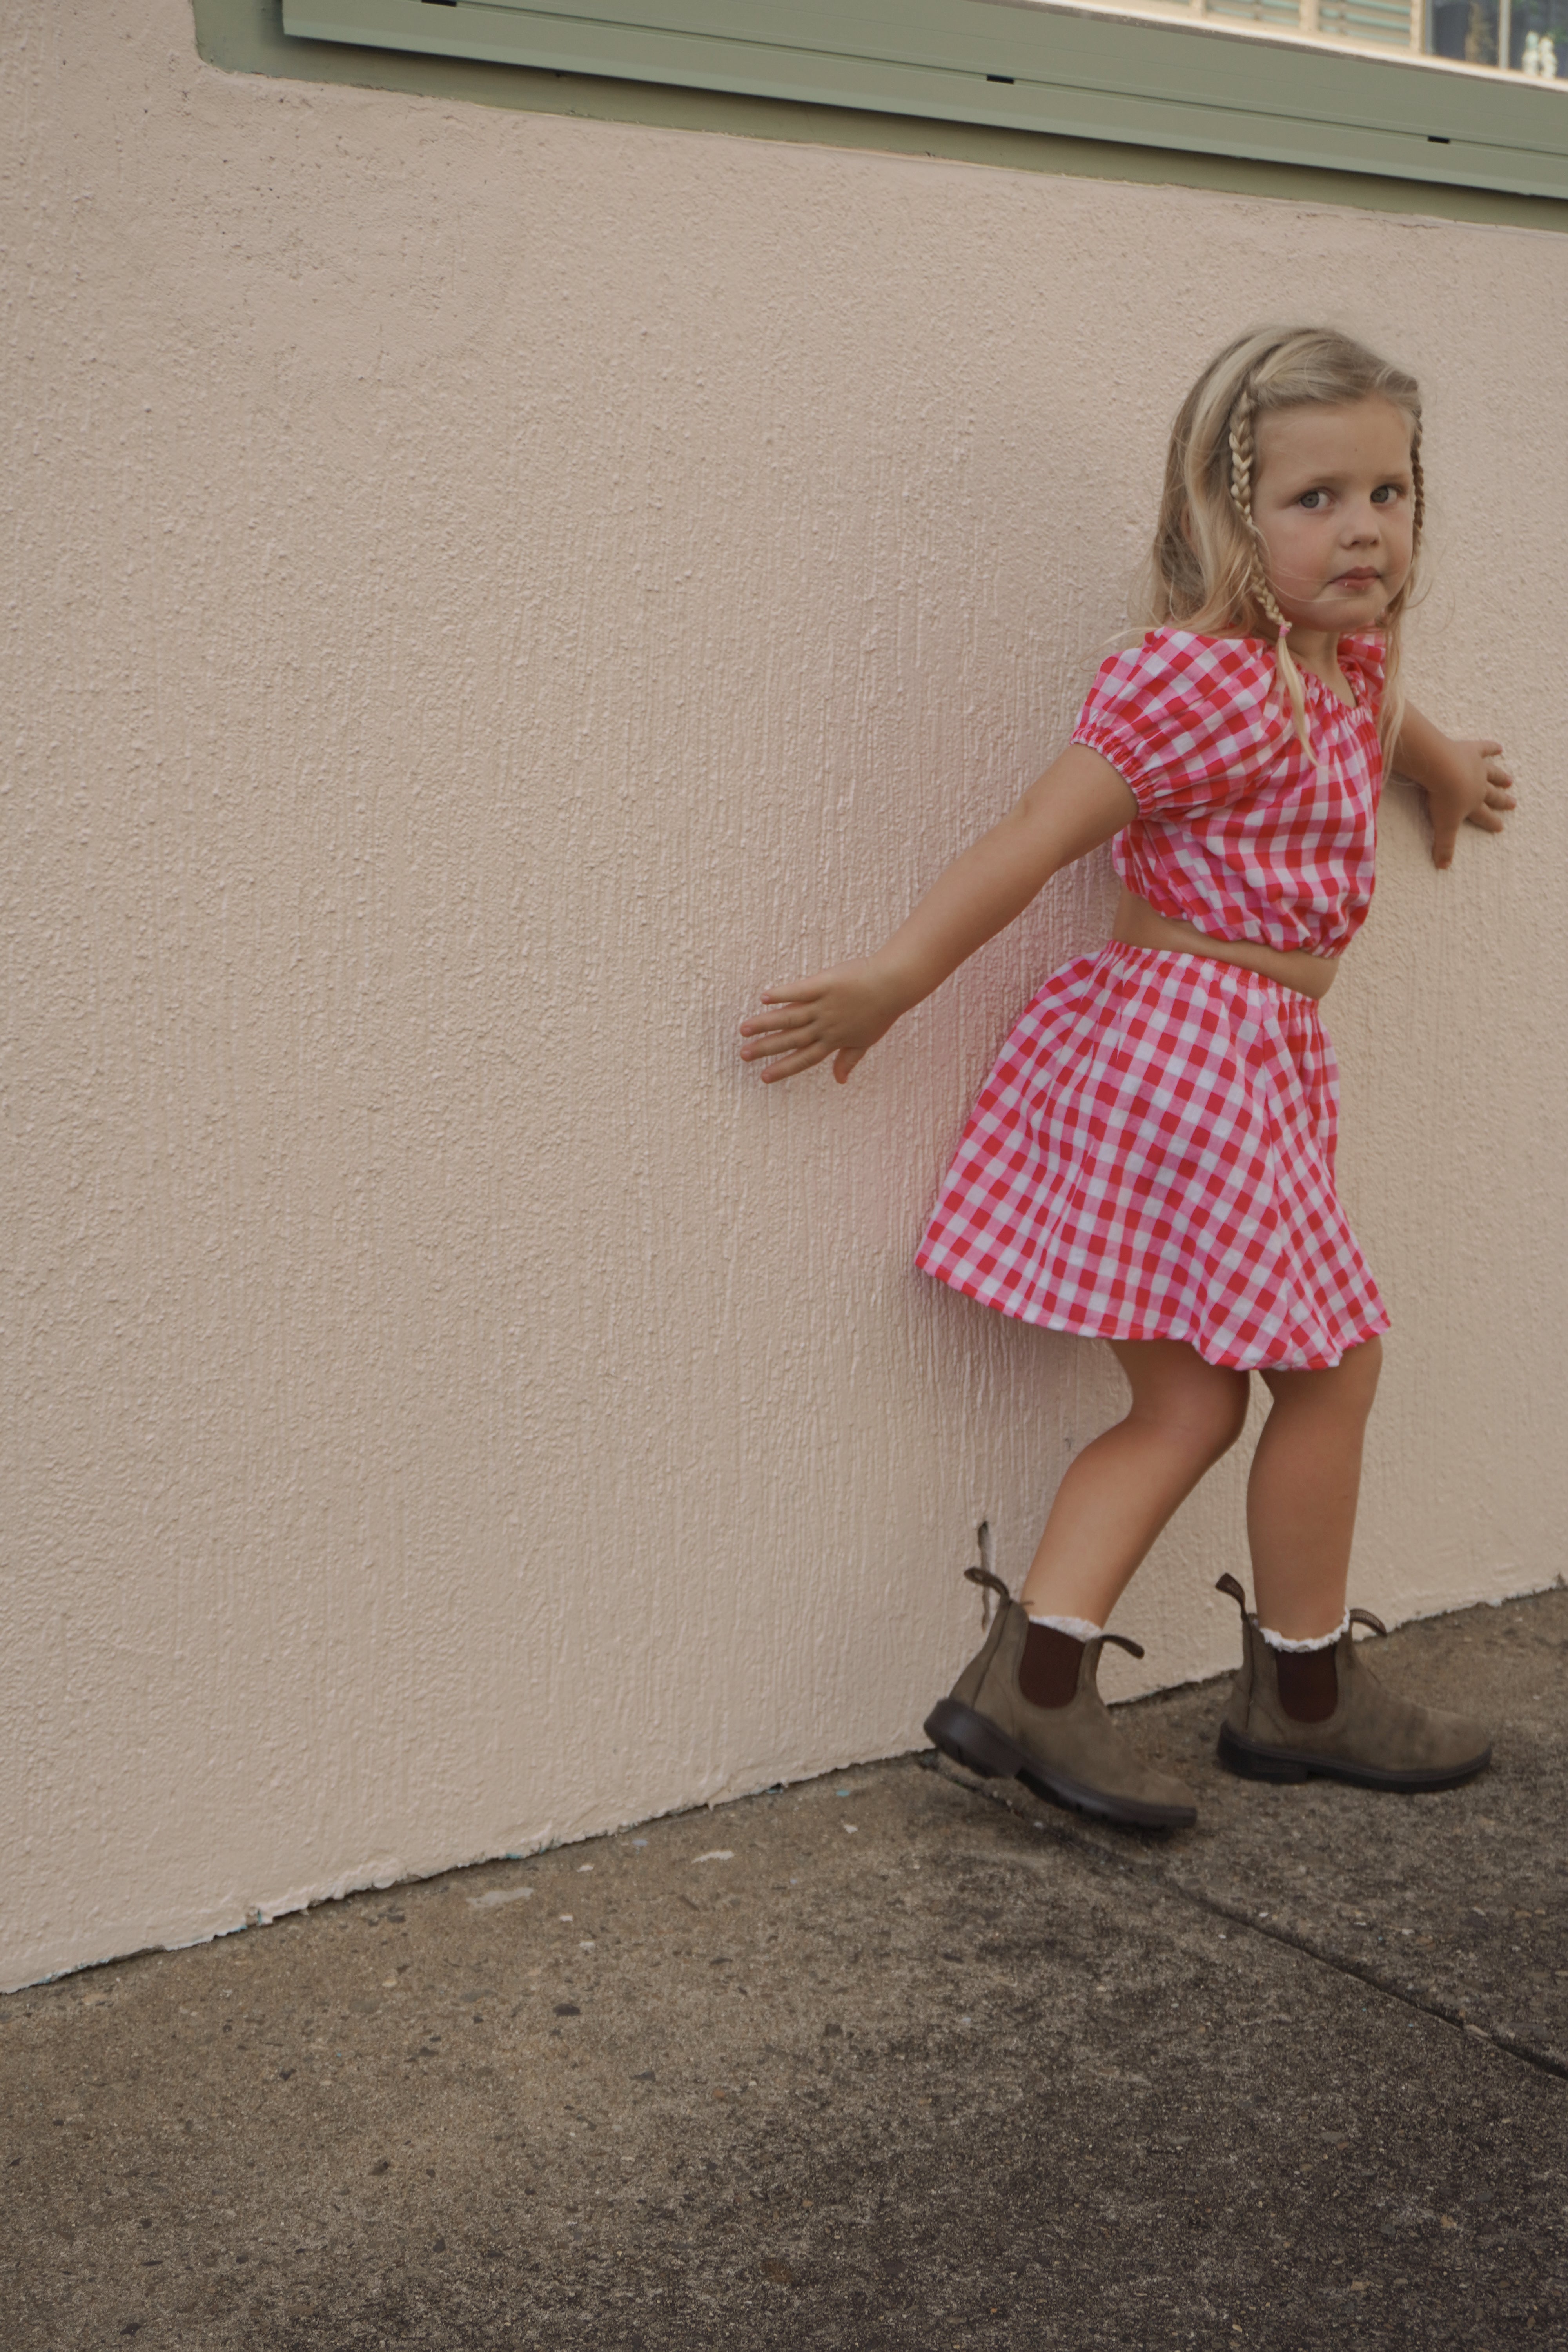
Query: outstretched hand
point(841, 1011)
point(1475, 788)
point(1079, 802)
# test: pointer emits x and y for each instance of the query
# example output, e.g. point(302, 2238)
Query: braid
point(1391, 718)
point(1242, 459)
point(1241, 452)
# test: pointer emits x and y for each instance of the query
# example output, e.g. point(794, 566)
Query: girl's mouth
point(1357, 578)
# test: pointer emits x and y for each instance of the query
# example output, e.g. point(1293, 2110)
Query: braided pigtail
point(1391, 717)
point(1391, 714)
point(1242, 459)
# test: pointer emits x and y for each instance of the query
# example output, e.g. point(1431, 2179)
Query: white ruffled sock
point(1079, 1628)
point(1319, 1641)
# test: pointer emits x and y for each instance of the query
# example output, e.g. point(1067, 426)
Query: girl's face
point(1333, 500)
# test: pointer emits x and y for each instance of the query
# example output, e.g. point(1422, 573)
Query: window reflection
point(1527, 37)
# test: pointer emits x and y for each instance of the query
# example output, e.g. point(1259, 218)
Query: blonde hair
point(1207, 570)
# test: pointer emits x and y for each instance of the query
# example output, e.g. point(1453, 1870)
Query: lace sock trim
point(1078, 1628)
point(1319, 1642)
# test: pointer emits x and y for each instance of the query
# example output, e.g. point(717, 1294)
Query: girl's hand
point(1079, 802)
point(842, 1011)
point(1473, 787)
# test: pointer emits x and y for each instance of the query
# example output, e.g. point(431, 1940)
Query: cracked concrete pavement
point(889, 2061)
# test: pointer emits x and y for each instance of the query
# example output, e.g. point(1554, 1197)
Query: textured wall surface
point(486, 592)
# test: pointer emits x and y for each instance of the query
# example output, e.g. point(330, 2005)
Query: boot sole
point(1255, 1761)
point(975, 1741)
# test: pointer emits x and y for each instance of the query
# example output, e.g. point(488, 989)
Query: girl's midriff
point(1138, 926)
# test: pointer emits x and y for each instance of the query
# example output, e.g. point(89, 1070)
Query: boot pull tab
point(988, 1584)
point(1134, 1649)
point(1365, 1617)
point(1228, 1585)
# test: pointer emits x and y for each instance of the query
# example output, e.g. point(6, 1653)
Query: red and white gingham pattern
point(1152, 1158)
point(1237, 829)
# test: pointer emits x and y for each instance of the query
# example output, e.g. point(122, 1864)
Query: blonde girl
point(1152, 1161)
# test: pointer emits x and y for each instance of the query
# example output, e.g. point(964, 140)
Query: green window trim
point(1010, 66)
point(247, 36)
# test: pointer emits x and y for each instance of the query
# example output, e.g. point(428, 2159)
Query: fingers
point(785, 1029)
point(790, 1041)
point(1445, 834)
point(776, 1031)
point(787, 1016)
point(783, 1041)
point(1489, 817)
point(1496, 800)
point(804, 1020)
point(794, 991)
point(785, 1036)
point(842, 1011)
point(804, 1057)
point(1500, 794)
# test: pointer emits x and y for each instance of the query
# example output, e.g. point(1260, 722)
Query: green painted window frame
point(1022, 66)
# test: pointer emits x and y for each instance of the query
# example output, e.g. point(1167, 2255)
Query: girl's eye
point(1310, 499)
point(1386, 494)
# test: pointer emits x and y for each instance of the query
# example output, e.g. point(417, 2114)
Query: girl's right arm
point(1079, 802)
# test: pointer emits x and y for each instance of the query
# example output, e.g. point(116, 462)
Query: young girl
point(1151, 1161)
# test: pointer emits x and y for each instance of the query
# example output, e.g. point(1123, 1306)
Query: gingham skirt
point(1152, 1158)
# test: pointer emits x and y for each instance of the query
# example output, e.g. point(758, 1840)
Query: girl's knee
point(1361, 1369)
point(1228, 1413)
point(1349, 1387)
point(1204, 1416)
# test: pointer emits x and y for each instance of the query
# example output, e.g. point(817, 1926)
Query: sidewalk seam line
point(1511, 2045)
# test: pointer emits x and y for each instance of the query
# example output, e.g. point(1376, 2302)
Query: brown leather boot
point(1072, 1754)
point(1372, 1737)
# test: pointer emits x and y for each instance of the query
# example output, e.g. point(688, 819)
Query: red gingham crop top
point(1238, 831)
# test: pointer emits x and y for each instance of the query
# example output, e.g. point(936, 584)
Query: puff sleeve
point(1189, 722)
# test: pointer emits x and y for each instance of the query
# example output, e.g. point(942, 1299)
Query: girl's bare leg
point(1302, 1492)
point(1120, 1490)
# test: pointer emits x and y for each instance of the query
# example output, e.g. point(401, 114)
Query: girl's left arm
point(1465, 782)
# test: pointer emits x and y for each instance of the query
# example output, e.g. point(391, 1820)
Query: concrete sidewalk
point(880, 2062)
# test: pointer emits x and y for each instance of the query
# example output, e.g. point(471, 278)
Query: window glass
point(1527, 37)
point(1522, 36)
